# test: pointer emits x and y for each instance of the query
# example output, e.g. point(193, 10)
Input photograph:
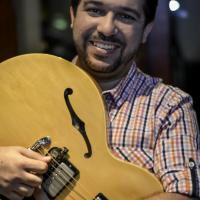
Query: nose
point(107, 25)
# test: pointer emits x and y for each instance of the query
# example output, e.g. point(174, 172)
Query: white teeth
point(104, 46)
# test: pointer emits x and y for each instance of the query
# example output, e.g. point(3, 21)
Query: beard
point(99, 66)
point(88, 64)
point(97, 63)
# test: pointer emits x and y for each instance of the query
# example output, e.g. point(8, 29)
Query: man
point(151, 124)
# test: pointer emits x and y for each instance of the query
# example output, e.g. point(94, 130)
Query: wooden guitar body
point(33, 106)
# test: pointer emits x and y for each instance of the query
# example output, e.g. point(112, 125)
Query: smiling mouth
point(104, 46)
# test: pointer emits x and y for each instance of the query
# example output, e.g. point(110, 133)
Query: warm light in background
point(174, 5)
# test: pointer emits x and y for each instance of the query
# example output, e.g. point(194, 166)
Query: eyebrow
point(130, 10)
point(92, 2)
point(122, 8)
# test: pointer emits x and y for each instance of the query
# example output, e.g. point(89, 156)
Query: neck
point(107, 85)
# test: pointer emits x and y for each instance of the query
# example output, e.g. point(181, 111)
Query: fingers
point(19, 192)
point(14, 196)
point(34, 155)
point(35, 162)
point(32, 180)
point(21, 171)
point(24, 190)
point(35, 166)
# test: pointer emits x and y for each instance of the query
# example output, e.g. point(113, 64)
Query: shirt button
point(191, 164)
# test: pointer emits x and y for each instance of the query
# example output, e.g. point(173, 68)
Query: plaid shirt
point(154, 126)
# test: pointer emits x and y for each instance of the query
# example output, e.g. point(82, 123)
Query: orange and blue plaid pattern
point(154, 126)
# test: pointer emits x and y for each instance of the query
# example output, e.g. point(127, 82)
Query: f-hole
point(77, 122)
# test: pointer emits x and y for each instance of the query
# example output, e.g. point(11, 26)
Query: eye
point(95, 12)
point(126, 18)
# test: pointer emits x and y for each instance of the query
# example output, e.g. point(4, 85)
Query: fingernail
point(48, 158)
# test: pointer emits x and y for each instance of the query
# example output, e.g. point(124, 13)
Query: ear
point(71, 16)
point(147, 31)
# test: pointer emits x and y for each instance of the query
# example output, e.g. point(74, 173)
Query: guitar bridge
point(61, 174)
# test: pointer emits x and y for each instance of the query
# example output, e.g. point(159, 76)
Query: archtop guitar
point(53, 107)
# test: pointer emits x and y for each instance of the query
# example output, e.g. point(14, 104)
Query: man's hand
point(21, 171)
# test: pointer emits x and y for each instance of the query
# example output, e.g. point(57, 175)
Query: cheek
point(81, 31)
point(83, 23)
point(133, 39)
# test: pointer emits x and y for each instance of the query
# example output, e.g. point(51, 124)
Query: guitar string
point(70, 183)
point(48, 175)
point(59, 180)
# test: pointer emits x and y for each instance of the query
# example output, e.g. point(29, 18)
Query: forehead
point(136, 4)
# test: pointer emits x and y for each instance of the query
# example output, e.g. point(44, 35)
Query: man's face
point(107, 34)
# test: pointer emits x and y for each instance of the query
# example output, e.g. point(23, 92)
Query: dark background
point(172, 51)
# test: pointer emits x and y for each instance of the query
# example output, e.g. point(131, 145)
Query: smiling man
point(107, 35)
point(151, 124)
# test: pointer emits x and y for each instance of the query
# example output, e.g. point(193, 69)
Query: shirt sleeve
point(177, 149)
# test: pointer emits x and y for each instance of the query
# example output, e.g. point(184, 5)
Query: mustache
point(104, 38)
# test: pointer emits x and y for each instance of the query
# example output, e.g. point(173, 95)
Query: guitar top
point(53, 107)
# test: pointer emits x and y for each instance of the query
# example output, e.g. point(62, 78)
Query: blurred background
point(172, 51)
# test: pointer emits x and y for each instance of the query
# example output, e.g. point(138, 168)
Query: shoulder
point(163, 96)
point(170, 96)
point(161, 90)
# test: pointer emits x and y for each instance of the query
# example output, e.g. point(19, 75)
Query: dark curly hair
point(149, 8)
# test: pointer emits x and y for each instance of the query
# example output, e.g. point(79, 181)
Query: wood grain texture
point(32, 106)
